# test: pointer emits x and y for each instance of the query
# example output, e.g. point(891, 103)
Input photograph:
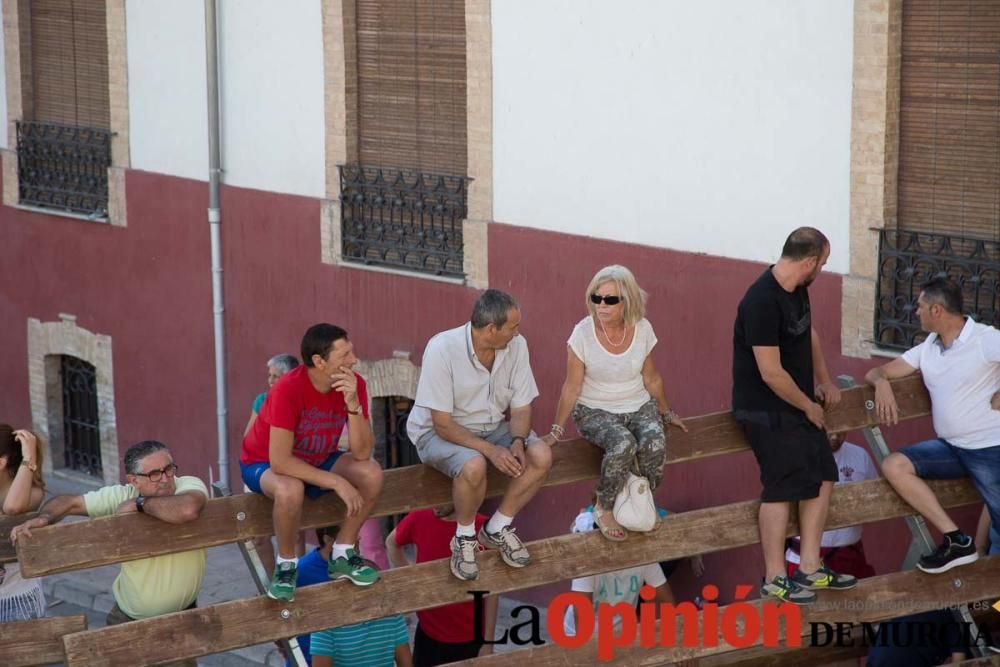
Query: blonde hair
point(634, 296)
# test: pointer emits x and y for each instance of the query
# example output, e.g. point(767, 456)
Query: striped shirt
point(369, 644)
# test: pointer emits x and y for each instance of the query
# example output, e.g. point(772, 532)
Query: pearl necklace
point(608, 338)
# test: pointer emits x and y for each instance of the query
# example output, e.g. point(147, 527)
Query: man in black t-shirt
point(776, 357)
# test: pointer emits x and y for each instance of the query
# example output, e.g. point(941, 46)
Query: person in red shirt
point(445, 634)
point(291, 452)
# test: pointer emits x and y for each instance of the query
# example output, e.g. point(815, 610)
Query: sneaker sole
point(341, 577)
point(827, 588)
point(275, 597)
point(503, 554)
point(459, 575)
point(964, 560)
point(767, 596)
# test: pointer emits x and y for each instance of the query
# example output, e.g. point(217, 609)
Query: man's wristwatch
point(354, 412)
point(519, 437)
point(139, 502)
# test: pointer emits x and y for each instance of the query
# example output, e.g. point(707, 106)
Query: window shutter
point(69, 62)
point(411, 84)
point(949, 152)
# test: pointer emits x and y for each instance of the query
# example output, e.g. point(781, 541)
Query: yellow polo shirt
point(157, 585)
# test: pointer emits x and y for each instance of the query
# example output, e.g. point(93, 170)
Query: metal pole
point(215, 227)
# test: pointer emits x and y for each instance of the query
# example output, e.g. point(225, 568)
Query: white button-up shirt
point(961, 381)
point(453, 380)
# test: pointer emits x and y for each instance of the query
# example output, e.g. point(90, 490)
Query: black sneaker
point(824, 579)
point(786, 590)
point(949, 555)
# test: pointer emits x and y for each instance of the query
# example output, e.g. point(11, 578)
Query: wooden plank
point(7, 553)
point(231, 625)
point(37, 642)
point(787, 656)
point(65, 547)
point(985, 661)
point(874, 599)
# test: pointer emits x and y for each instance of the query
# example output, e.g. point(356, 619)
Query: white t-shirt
point(855, 465)
point(453, 380)
point(612, 382)
point(615, 587)
point(961, 381)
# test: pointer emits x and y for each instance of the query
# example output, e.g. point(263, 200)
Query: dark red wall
point(148, 286)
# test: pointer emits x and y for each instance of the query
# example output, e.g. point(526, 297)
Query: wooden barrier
point(115, 539)
point(231, 625)
point(874, 599)
point(7, 553)
point(37, 642)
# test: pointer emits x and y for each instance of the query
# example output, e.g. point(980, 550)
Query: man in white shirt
point(841, 549)
point(471, 376)
point(960, 363)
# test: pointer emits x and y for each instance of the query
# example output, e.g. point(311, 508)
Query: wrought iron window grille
point(909, 259)
point(63, 167)
point(81, 424)
point(403, 219)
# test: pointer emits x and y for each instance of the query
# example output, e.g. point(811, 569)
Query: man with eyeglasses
point(151, 586)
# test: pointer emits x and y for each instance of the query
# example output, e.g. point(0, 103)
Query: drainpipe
point(214, 224)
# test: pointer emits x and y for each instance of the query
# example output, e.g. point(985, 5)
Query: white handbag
point(634, 507)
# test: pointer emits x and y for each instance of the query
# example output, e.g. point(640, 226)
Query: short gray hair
point(283, 362)
point(138, 452)
point(492, 307)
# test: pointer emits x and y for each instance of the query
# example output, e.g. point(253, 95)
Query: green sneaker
point(783, 588)
point(282, 586)
point(354, 568)
point(824, 579)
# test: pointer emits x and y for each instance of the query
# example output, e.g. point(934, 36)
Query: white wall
point(3, 91)
point(168, 128)
point(714, 126)
point(272, 95)
point(271, 60)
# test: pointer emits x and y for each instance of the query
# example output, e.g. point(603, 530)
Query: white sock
point(498, 522)
point(293, 561)
point(340, 550)
point(465, 531)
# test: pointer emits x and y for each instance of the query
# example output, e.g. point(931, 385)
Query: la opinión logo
point(739, 625)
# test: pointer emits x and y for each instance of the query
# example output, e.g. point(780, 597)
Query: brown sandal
point(600, 514)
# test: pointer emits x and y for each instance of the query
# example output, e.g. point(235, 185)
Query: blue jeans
point(939, 459)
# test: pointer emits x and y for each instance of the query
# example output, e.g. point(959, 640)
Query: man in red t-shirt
point(445, 634)
point(291, 452)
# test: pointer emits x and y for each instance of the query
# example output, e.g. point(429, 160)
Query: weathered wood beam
point(37, 642)
point(874, 599)
point(7, 553)
point(73, 546)
point(230, 625)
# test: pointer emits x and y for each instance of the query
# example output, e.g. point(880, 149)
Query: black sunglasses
point(157, 475)
point(610, 299)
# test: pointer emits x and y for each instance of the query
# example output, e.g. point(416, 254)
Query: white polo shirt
point(961, 381)
point(453, 380)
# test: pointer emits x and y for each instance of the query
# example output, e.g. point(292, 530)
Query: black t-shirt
point(768, 316)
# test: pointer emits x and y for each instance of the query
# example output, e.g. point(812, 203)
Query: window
point(949, 166)
point(81, 425)
point(64, 139)
point(404, 189)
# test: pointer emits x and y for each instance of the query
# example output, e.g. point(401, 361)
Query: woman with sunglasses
point(614, 392)
point(21, 490)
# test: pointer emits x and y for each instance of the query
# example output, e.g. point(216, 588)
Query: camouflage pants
point(632, 442)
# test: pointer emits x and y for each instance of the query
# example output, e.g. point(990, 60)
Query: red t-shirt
point(432, 537)
point(316, 419)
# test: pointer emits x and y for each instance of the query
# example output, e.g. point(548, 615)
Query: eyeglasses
point(610, 299)
point(157, 475)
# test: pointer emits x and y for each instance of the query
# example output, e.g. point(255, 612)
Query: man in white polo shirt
point(471, 376)
point(960, 363)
